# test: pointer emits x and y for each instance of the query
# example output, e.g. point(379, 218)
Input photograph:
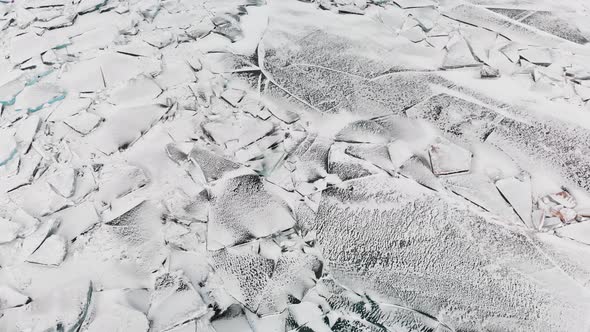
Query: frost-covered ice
point(286, 165)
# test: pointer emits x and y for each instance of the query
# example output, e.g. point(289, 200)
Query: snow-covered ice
point(294, 165)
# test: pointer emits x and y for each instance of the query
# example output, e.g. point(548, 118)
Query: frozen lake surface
point(286, 165)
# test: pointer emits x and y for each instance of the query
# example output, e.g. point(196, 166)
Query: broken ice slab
point(173, 302)
point(233, 96)
point(185, 209)
point(263, 285)
point(33, 241)
point(563, 198)
point(566, 215)
point(538, 56)
point(175, 71)
point(365, 310)
point(9, 230)
point(242, 209)
point(11, 84)
point(447, 158)
point(85, 183)
point(28, 45)
point(553, 22)
point(265, 149)
point(414, 34)
point(283, 111)
point(76, 220)
point(180, 237)
point(124, 127)
point(346, 322)
point(26, 131)
point(399, 151)
point(280, 176)
point(71, 105)
point(38, 199)
point(583, 90)
point(295, 272)
point(415, 3)
point(10, 298)
point(376, 154)
point(193, 263)
point(481, 191)
point(35, 97)
point(244, 129)
point(538, 218)
point(232, 319)
point(550, 223)
point(87, 6)
point(213, 166)
point(137, 48)
point(177, 17)
point(65, 308)
point(130, 247)
point(228, 26)
point(51, 252)
point(8, 147)
point(518, 192)
point(25, 169)
point(178, 152)
point(194, 61)
point(303, 313)
point(84, 42)
point(310, 158)
point(200, 29)
point(117, 180)
point(10, 170)
point(63, 181)
point(489, 72)
point(158, 38)
point(426, 17)
point(224, 62)
point(415, 168)
point(511, 29)
point(579, 232)
point(459, 54)
point(480, 41)
point(107, 69)
point(191, 326)
point(114, 309)
point(139, 90)
point(345, 166)
point(511, 52)
point(244, 273)
point(61, 19)
point(350, 9)
point(270, 323)
point(83, 122)
point(364, 131)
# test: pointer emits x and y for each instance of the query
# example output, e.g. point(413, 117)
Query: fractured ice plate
point(174, 301)
point(518, 192)
point(242, 209)
point(66, 306)
point(447, 158)
point(124, 127)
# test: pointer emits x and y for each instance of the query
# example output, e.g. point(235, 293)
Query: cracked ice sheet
point(233, 145)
